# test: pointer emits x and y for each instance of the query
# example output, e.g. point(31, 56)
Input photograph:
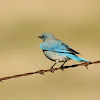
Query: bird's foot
point(86, 64)
point(62, 68)
point(52, 70)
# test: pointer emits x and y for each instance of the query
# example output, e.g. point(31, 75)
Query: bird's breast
point(55, 56)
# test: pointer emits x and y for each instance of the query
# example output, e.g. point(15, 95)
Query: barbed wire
point(49, 70)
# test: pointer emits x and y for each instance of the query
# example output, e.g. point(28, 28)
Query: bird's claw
point(62, 68)
point(52, 70)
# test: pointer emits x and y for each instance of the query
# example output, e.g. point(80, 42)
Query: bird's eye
point(43, 36)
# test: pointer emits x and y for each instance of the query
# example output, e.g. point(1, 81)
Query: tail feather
point(83, 59)
point(75, 57)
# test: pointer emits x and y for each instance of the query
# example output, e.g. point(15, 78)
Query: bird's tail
point(75, 57)
point(81, 59)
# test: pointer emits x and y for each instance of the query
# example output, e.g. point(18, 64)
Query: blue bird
point(58, 51)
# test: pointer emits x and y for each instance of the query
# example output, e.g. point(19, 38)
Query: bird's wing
point(70, 49)
point(59, 47)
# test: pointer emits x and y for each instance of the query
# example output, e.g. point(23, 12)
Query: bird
point(57, 51)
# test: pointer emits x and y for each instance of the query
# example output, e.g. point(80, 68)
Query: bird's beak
point(39, 36)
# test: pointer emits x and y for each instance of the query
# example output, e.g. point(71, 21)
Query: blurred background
point(75, 22)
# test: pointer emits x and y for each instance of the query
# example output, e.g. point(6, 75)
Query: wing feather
point(58, 47)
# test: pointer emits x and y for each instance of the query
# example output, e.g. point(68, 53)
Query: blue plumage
point(57, 50)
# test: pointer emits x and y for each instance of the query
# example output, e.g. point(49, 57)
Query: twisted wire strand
point(44, 71)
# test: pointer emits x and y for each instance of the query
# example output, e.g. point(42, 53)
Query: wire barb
point(44, 71)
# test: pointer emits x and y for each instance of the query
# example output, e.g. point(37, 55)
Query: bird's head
point(46, 36)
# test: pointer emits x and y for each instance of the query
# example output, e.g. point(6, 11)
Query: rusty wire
point(44, 71)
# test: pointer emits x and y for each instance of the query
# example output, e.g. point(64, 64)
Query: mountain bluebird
point(58, 51)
